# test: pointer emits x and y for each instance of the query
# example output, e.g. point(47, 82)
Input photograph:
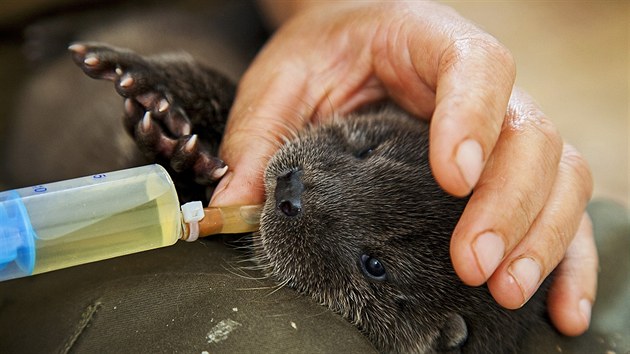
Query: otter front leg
point(174, 107)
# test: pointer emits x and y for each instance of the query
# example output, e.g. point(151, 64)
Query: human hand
point(521, 220)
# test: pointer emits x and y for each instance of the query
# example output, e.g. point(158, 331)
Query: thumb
point(263, 115)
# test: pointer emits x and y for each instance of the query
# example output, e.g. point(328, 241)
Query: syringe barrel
point(61, 224)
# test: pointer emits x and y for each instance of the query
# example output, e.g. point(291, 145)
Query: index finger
point(259, 121)
point(460, 76)
point(475, 80)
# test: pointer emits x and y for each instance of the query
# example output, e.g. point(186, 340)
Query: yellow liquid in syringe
point(111, 237)
point(152, 221)
point(67, 223)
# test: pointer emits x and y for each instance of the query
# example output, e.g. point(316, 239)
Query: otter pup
point(352, 218)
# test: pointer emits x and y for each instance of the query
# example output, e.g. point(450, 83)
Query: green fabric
point(195, 297)
point(611, 313)
point(182, 298)
point(609, 332)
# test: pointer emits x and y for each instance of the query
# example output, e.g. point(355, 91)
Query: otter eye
point(372, 267)
point(365, 153)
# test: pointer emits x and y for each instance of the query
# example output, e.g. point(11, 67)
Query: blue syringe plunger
point(87, 219)
point(17, 238)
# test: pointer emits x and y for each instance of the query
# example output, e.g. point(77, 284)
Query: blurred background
point(572, 56)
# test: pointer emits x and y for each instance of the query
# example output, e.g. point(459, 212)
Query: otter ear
point(453, 334)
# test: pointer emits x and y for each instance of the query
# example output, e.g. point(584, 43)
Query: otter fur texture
point(352, 218)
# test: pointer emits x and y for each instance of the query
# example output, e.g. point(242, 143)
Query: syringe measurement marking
point(43, 189)
point(40, 189)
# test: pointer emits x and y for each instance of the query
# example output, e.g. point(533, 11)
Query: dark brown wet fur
point(174, 108)
point(367, 193)
point(353, 217)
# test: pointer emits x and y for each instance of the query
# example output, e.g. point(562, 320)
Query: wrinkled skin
point(352, 218)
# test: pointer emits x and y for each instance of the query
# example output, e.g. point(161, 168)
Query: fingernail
point(469, 159)
point(218, 191)
point(585, 309)
point(526, 273)
point(489, 249)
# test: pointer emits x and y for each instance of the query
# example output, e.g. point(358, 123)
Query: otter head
point(354, 218)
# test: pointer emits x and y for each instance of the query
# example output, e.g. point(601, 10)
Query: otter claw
point(191, 145)
point(126, 82)
point(219, 172)
point(146, 122)
point(164, 105)
point(188, 155)
point(91, 61)
point(156, 110)
point(77, 48)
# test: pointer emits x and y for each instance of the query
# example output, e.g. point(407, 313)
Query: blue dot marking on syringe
point(44, 189)
point(39, 189)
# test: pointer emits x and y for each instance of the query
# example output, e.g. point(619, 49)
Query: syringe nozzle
point(227, 220)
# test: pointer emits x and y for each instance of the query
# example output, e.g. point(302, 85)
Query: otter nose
point(288, 194)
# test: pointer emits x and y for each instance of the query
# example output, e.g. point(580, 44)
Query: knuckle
point(552, 141)
point(482, 48)
point(553, 241)
point(581, 260)
point(528, 205)
point(524, 116)
point(573, 162)
point(558, 239)
point(492, 49)
point(497, 53)
point(501, 54)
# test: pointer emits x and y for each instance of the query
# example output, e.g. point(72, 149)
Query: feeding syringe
point(62, 224)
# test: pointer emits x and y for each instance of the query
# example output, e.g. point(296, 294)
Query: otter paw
point(160, 126)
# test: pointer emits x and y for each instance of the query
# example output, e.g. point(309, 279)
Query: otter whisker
point(237, 271)
point(254, 289)
point(279, 286)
